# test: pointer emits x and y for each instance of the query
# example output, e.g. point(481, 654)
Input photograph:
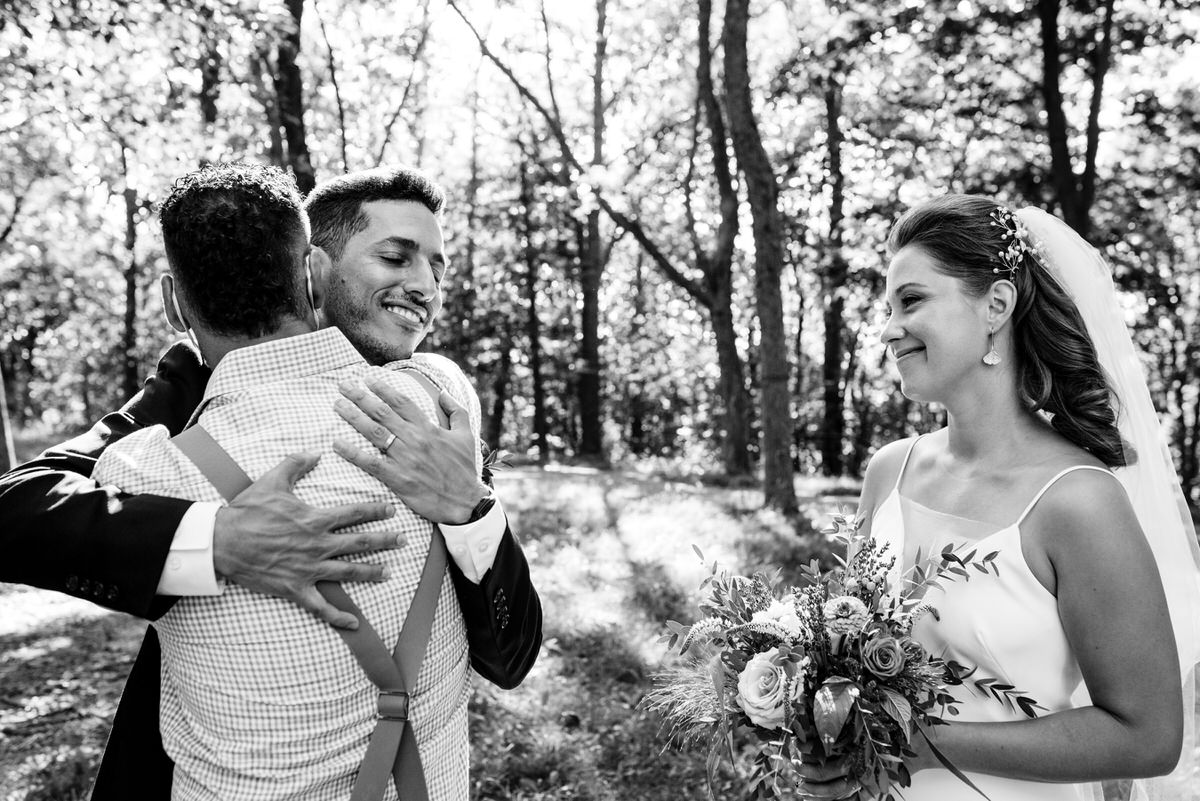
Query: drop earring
point(991, 358)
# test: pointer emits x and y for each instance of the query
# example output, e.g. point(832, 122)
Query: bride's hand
point(825, 780)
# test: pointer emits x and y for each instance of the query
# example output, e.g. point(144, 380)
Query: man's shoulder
point(444, 372)
point(147, 461)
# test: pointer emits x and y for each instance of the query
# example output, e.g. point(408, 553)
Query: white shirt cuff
point(473, 546)
point(189, 569)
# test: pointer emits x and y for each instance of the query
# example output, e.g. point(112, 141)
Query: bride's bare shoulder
point(883, 470)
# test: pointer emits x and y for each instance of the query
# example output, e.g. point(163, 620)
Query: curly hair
point(1057, 369)
point(235, 236)
point(335, 206)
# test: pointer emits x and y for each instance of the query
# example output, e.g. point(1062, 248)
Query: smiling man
point(260, 699)
point(381, 242)
point(381, 228)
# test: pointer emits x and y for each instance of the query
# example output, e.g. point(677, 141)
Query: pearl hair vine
point(1019, 242)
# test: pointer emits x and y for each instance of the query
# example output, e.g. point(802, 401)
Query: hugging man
point(250, 293)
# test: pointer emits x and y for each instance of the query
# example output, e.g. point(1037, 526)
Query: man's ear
point(1002, 302)
point(174, 314)
point(319, 268)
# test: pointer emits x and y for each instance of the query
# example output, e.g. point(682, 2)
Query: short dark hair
point(1057, 368)
point(335, 206)
point(235, 235)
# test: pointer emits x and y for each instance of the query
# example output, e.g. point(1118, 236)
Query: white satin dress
point(1007, 626)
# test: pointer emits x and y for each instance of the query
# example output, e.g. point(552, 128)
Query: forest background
point(666, 220)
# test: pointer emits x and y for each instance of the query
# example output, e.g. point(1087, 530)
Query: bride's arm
point(1111, 602)
point(879, 478)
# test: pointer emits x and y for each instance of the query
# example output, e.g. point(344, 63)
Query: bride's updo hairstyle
point(1057, 369)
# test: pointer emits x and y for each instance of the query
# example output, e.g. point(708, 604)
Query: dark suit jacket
point(60, 531)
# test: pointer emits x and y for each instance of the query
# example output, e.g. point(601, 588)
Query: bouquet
point(826, 671)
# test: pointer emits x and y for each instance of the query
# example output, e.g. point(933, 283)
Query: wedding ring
point(391, 438)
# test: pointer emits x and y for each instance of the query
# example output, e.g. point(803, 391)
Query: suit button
point(85, 586)
point(112, 594)
point(72, 583)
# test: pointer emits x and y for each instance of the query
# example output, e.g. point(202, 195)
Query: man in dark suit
point(61, 531)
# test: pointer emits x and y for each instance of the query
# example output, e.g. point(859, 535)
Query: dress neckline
point(1015, 525)
point(938, 513)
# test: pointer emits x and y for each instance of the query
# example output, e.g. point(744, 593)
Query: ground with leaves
point(611, 555)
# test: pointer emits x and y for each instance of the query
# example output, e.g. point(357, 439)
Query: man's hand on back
point(269, 541)
point(431, 468)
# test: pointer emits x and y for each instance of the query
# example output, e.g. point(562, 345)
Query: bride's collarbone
point(990, 495)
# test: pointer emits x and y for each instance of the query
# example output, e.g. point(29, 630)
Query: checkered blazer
point(260, 699)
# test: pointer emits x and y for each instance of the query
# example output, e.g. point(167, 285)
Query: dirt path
point(62, 664)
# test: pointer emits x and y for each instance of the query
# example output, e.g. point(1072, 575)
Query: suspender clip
point(393, 705)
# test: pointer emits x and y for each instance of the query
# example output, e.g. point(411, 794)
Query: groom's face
point(385, 290)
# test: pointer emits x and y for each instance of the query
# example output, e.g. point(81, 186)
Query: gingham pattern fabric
point(260, 699)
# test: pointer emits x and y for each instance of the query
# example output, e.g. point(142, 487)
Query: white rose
point(783, 613)
point(767, 684)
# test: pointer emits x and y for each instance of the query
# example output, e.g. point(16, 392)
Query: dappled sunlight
point(27, 609)
point(35, 650)
point(612, 558)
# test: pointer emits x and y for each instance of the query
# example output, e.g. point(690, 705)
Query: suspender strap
point(393, 746)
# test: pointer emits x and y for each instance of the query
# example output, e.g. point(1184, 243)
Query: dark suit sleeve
point(62, 531)
point(503, 616)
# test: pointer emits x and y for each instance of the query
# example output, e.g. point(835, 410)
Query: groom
point(45, 510)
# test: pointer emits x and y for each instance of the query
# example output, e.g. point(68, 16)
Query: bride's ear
point(1001, 302)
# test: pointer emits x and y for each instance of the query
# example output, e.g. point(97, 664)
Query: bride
point(1052, 458)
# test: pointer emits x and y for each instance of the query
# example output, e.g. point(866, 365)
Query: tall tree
point(289, 91)
point(716, 262)
point(130, 369)
point(8, 458)
point(533, 325)
point(835, 274)
point(592, 266)
point(1075, 187)
point(762, 192)
point(714, 292)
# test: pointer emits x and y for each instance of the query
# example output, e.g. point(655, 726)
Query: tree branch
point(549, 72)
point(18, 201)
point(1101, 60)
point(418, 53)
point(337, 92)
point(630, 224)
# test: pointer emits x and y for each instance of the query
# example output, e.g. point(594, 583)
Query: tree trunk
point(289, 87)
point(1075, 192)
point(210, 68)
point(269, 97)
point(736, 442)
point(833, 429)
point(799, 433)
point(130, 374)
point(717, 265)
point(591, 270)
point(8, 457)
point(762, 191)
point(501, 382)
point(532, 322)
point(635, 388)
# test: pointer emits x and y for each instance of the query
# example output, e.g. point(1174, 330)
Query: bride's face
point(936, 333)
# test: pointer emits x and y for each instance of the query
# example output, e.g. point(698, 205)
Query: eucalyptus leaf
point(897, 707)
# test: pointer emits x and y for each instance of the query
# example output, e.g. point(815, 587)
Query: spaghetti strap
point(904, 464)
point(1051, 483)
